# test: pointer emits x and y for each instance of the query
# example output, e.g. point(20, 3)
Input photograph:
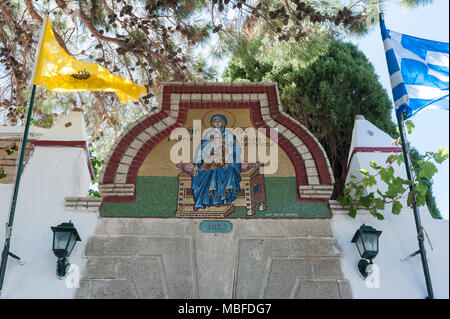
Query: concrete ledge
point(335, 206)
point(83, 204)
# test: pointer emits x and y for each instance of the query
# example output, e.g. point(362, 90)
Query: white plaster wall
point(5, 200)
point(397, 278)
point(366, 134)
point(51, 174)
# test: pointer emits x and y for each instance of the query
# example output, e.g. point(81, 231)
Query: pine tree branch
point(40, 20)
point(103, 108)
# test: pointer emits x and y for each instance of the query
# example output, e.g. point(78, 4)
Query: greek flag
point(418, 69)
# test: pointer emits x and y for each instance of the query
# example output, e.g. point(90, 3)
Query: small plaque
point(213, 226)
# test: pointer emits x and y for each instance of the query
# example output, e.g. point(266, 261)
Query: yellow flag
point(59, 72)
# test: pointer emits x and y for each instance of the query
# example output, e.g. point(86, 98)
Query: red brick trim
point(82, 144)
point(183, 106)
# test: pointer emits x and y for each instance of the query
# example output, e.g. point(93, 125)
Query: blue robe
point(217, 186)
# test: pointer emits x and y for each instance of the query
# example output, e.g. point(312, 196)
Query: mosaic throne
point(253, 193)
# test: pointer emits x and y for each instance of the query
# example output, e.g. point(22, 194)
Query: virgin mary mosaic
point(218, 178)
point(217, 166)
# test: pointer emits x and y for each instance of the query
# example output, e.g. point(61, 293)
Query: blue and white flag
point(418, 70)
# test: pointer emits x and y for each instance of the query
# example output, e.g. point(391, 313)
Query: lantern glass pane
point(371, 242)
point(61, 239)
point(360, 244)
point(72, 242)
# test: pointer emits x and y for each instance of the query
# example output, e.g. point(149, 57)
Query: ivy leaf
point(428, 170)
point(352, 211)
point(421, 200)
point(421, 189)
point(372, 181)
point(395, 187)
point(374, 212)
point(344, 200)
point(380, 193)
point(400, 159)
point(359, 190)
point(366, 201)
point(364, 171)
point(374, 165)
point(396, 207)
point(387, 175)
point(441, 155)
point(409, 126)
point(347, 191)
point(379, 203)
point(420, 192)
point(406, 182)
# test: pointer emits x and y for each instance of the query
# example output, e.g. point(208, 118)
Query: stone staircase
point(173, 258)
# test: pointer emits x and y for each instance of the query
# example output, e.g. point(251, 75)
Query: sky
point(431, 126)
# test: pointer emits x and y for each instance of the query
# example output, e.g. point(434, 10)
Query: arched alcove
point(259, 102)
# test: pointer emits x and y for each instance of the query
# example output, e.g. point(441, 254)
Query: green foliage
point(397, 188)
point(12, 149)
point(409, 126)
point(94, 193)
point(438, 157)
point(2, 174)
point(97, 166)
point(324, 96)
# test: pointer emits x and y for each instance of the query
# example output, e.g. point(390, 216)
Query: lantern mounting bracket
point(15, 257)
point(411, 256)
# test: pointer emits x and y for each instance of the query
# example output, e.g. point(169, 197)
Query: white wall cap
point(366, 134)
point(74, 132)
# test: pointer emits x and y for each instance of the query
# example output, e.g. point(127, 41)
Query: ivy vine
point(357, 195)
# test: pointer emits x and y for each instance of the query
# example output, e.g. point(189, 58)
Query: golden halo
point(206, 119)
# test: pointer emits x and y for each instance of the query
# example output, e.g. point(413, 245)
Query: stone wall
point(9, 162)
point(173, 258)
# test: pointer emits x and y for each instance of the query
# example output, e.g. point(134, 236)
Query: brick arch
point(313, 172)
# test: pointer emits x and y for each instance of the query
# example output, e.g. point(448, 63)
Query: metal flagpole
point(419, 228)
point(405, 147)
point(6, 251)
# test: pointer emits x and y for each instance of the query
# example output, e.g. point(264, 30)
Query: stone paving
point(173, 258)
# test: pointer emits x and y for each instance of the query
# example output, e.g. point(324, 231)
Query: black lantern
point(65, 237)
point(366, 240)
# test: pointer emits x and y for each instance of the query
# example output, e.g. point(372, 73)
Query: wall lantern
point(65, 237)
point(366, 240)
